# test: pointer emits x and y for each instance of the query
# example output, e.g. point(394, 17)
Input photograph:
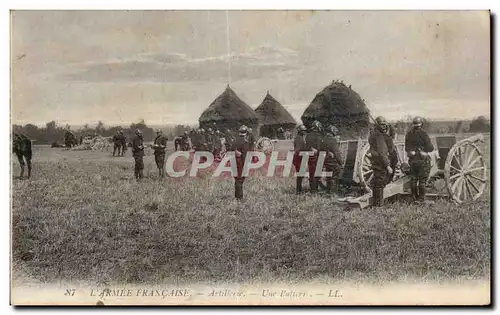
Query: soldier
point(417, 146)
point(217, 145)
point(390, 136)
point(117, 142)
point(251, 139)
point(333, 161)
point(159, 147)
point(185, 141)
point(203, 145)
point(314, 143)
point(69, 139)
point(240, 146)
point(123, 142)
point(138, 154)
point(229, 138)
point(202, 138)
point(380, 159)
point(210, 140)
point(299, 144)
point(195, 136)
point(22, 150)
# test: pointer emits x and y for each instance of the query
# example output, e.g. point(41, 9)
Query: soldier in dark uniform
point(123, 142)
point(390, 136)
point(69, 139)
point(210, 140)
point(418, 145)
point(333, 160)
point(251, 138)
point(314, 143)
point(22, 150)
point(229, 138)
point(138, 153)
point(217, 145)
point(380, 160)
point(159, 147)
point(202, 139)
point(393, 153)
point(203, 144)
point(299, 144)
point(241, 147)
point(117, 142)
point(185, 141)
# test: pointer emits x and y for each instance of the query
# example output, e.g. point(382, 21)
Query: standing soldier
point(333, 161)
point(380, 159)
point(159, 147)
point(251, 139)
point(195, 136)
point(117, 142)
point(123, 143)
point(217, 144)
point(417, 146)
point(314, 144)
point(299, 144)
point(138, 154)
point(210, 140)
point(393, 153)
point(229, 138)
point(185, 141)
point(203, 145)
point(22, 150)
point(240, 147)
point(202, 138)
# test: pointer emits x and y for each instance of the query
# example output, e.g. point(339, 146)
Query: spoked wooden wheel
point(465, 172)
point(365, 171)
point(265, 145)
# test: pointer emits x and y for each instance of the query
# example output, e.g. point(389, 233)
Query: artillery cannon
point(458, 170)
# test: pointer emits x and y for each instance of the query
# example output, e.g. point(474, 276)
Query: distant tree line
point(52, 132)
point(478, 124)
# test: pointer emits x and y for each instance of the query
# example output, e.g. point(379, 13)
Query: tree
point(51, 125)
point(100, 129)
point(479, 124)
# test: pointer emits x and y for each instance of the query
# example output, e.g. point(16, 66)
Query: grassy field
point(83, 217)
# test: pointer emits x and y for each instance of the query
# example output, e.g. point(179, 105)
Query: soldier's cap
point(417, 121)
point(301, 128)
point(380, 120)
point(159, 130)
point(138, 132)
point(243, 130)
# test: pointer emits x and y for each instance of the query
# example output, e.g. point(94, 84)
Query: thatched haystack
point(228, 111)
point(341, 106)
point(273, 116)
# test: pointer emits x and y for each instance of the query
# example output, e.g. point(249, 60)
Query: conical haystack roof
point(341, 106)
point(228, 111)
point(271, 112)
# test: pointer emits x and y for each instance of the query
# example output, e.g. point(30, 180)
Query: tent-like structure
point(272, 117)
point(228, 111)
point(341, 106)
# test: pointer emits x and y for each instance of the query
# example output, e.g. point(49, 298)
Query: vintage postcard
point(250, 157)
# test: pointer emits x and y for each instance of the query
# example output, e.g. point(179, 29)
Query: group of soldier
point(383, 155)
point(119, 144)
point(318, 138)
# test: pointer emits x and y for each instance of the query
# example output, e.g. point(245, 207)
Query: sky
point(166, 67)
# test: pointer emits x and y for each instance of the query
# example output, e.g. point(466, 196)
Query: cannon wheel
point(465, 172)
point(365, 171)
point(264, 145)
